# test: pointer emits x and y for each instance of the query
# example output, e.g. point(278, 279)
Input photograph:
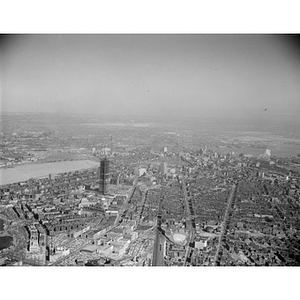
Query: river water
point(25, 172)
point(287, 151)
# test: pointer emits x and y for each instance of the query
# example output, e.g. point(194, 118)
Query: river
point(25, 172)
point(284, 151)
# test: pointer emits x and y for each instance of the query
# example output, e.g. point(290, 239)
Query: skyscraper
point(163, 168)
point(111, 142)
point(104, 176)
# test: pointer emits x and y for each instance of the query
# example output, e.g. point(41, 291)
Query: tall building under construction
point(111, 143)
point(104, 176)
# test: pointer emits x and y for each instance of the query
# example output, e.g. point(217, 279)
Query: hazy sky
point(151, 74)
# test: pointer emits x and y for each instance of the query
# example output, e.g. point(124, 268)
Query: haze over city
point(150, 150)
point(220, 76)
point(150, 134)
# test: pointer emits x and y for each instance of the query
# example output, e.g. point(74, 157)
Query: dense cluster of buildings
point(147, 206)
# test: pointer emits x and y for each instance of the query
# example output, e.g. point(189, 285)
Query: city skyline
point(150, 150)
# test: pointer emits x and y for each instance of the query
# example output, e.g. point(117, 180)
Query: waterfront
point(278, 151)
point(25, 172)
